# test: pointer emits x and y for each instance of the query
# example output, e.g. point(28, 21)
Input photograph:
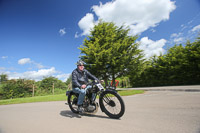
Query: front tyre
point(112, 104)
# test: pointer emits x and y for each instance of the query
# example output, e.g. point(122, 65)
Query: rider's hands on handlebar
point(98, 81)
point(83, 86)
point(101, 81)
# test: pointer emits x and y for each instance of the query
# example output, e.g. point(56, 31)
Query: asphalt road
point(151, 112)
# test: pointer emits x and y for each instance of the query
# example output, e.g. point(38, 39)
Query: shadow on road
point(68, 113)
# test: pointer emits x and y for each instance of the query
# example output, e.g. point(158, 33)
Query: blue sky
point(40, 38)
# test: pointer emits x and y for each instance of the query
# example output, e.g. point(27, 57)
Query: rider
point(80, 78)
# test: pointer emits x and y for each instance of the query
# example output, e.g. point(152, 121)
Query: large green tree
point(109, 52)
point(179, 66)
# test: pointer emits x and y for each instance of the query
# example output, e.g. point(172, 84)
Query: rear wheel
point(112, 104)
point(72, 101)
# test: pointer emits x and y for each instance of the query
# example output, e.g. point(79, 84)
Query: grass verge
point(129, 92)
point(59, 97)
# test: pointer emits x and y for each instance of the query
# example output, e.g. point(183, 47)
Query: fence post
point(53, 88)
point(33, 93)
point(69, 86)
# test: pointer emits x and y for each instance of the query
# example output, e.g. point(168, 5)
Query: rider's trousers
point(82, 93)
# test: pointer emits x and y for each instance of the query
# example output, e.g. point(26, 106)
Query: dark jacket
point(81, 77)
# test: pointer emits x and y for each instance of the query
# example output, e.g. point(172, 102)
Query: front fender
point(101, 97)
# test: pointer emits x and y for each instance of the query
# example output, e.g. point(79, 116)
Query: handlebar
point(93, 82)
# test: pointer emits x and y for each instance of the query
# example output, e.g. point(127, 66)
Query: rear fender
point(69, 92)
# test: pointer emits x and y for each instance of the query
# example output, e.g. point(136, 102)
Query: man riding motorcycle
point(80, 78)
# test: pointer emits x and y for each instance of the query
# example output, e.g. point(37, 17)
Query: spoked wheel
point(112, 104)
point(72, 101)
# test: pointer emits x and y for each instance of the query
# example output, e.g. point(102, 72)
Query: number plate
point(100, 86)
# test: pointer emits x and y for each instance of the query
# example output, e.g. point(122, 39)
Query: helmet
point(80, 63)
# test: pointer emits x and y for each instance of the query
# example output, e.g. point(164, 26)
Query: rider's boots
point(80, 109)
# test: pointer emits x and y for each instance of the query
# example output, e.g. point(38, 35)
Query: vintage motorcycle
point(110, 101)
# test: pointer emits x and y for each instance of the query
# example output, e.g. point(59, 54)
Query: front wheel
point(112, 104)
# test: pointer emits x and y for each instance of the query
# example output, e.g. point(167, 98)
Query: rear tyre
point(72, 101)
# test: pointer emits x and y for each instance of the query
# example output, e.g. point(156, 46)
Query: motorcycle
point(110, 101)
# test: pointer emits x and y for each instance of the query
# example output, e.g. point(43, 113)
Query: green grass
point(129, 92)
point(59, 97)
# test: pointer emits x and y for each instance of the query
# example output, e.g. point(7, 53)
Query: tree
point(69, 80)
point(17, 88)
point(47, 84)
point(109, 51)
point(192, 51)
point(3, 78)
point(179, 66)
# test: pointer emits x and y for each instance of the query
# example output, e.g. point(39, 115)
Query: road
point(151, 112)
point(188, 88)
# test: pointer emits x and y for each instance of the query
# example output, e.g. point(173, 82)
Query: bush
point(16, 88)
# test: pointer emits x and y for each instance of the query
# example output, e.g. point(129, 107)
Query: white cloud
point(179, 40)
point(63, 77)
point(34, 75)
point(196, 28)
point(139, 15)
point(153, 30)
point(175, 35)
point(151, 47)
point(38, 65)
point(24, 61)
point(184, 26)
point(76, 35)
point(86, 23)
point(4, 57)
point(62, 31)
